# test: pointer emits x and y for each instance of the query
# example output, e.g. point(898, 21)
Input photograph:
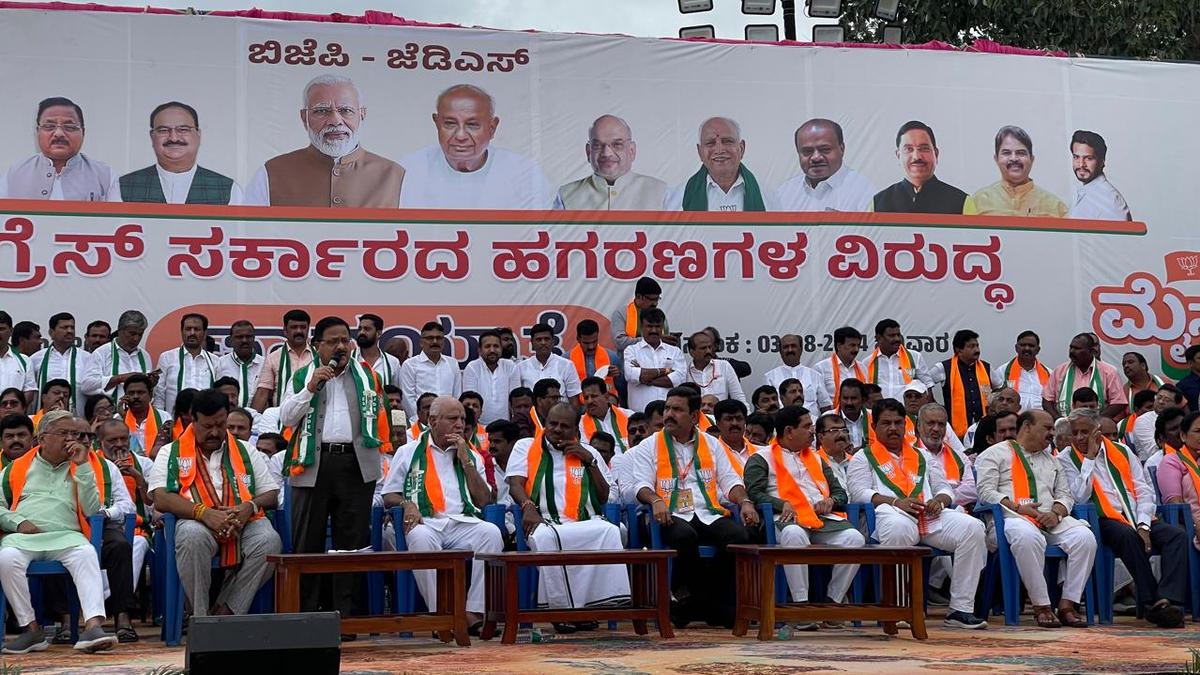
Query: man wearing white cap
point(916, 395)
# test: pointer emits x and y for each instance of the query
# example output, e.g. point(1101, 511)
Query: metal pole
point(789, 19)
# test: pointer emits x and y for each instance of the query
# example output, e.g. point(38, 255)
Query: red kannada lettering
point(520, 259)
point(253, 258)
point(428, 268)
point(586, 248)
point(396, 247)
point(195, 246)
point(125, 242)
point(17, 232)
point(329, 260)
point(866, 262)
point(636, 257)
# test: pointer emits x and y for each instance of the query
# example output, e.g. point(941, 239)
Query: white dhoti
point(797, 575)
point(437, 534)
point(958, 533)
point(81, 562)
point(1028, 544)
point(580, 585)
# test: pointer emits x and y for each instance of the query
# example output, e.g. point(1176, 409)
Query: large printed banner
point(753, 276)
point(1081, 236)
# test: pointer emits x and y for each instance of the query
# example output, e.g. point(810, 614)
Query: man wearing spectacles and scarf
point(175, 178)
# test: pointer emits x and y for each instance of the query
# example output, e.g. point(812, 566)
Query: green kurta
point(48, 501)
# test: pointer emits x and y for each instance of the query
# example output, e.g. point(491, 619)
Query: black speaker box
point(264, 643)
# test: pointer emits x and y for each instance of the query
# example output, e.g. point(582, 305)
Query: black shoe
point(1165, 615)
point(964, 620)
point(349, 637)
point(586, 625)
point(680, 617)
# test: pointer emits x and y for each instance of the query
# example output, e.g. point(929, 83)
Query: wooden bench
point(451, 567)
point(755, 573)
point(650, 590)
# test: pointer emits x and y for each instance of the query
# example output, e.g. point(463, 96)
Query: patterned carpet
point(1130, 646)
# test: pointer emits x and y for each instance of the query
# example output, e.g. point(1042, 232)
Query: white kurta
point(1098, 200)
point(506, 180)
point(957, 532)
point(493, 385)
point(641, 471)
point(245, 373)
point(720, 200)
point(846, 190)
point(717, 379)
point(641, 355)
point(419, 375)
point(816, 396)
point(198, 372)
point(891, 378)
point(572, 586)
point(103, 368)
point(51, 364)
point(556, 368)
point(1028, 385)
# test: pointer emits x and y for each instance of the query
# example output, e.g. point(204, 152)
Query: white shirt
point(199, 373)
point(443, 463)
point(556, 367)
point(965, 491)
point(175, 186)
point(863, 482)
point(854, 428)
point(264, 479)
point(846, 190)
point(518, 466)
point(717, 378)
point(15, 371)
point(720, 200)
point(122, 503)
point(1143, 435)
point(336, 427)
point(493, 385)
point(58, 367)
point(102, 370)
point(1098, 200)
point(387, 367)
point(506, 180)
point(419, 375)
point(641, 355)
point(1081, 484)
point(1029, 386)
point(891, 379)
point(641, 468)
point(816, 396)
point(825, 371)
point(230, 366)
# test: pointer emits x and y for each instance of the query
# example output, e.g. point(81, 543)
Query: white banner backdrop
point(754, 275)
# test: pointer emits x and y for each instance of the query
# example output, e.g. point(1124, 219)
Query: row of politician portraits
point(464, 170)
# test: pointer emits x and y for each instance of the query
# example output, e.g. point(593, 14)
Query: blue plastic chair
point(172, 588)
point(406, 596)
point(49, 568)
point(1010, 577)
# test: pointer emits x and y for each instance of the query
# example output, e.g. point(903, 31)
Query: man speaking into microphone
point(338, 414)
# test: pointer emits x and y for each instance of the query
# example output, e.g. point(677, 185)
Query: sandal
point(1045, 618)
point(1068, 617)
point(62, 635)
point(126, 634)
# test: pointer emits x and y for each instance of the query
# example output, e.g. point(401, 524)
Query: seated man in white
point(440, 483)
point(562, 485)
point(910, 494)
point(1032, 486)
point(808, 500)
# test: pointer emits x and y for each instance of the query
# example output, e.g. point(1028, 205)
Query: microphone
point(335, 362)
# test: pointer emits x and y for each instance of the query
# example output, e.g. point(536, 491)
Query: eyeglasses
point(67, 128)
point(325, 112)
point(164, 132)
point(835, 430)
point(70, 434)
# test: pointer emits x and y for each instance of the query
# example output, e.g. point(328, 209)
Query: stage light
point(765, 7)
point(698, 32)
point(825, 9)
point(887, 10)
point(693, 6)
point(763, 32)
point(828, 33)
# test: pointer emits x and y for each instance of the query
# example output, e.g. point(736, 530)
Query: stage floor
point(1129, 646)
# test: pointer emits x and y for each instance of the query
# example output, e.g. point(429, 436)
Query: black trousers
point(116, 559)
point(1170, 541)
point(709, 594)
point(339, 497)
